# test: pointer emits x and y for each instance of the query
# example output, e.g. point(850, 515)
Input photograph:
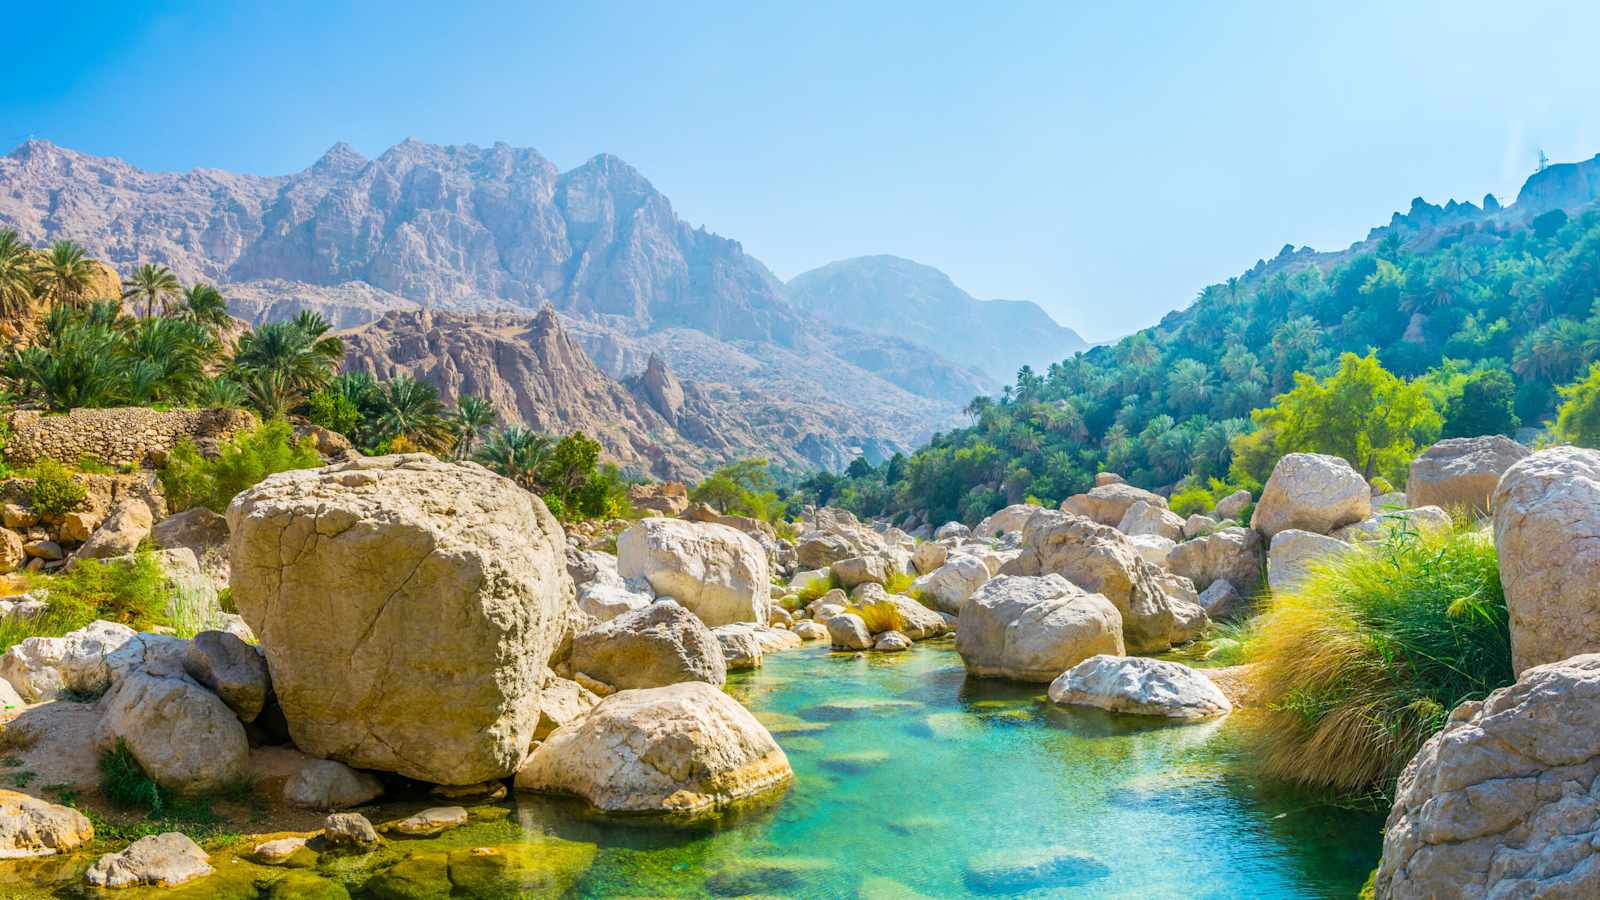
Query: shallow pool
point(911, 780)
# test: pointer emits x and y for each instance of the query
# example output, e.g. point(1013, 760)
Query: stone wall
point(119, 436)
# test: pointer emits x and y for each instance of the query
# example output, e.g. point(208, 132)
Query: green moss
point(417, 877)
point(542, 868)
point(764, 875)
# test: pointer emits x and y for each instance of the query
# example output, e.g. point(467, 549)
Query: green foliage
point(334, 411)
point(191, 479)
point(54, 491)
point(124, 782)
point(1193, 497)
point(1485, 405)
point(1362, 413)
point(1578, 419)
point(279, 364)
point(567, 473)
point(133, 592)
point(96, 356)
point(816, 588)
point(744, 488)
point(1365, 661)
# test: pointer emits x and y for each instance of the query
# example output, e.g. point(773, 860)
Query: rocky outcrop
point(1108, 503)
point(1547, 535)
point(33, 827)
point(1312, 492)
point(685, 749)
point(1501, 802)
point(1461, 473)
point(407, 608)
point(658, 645)
point(666, 498)
point(1140, 686)
point(1033, 628)
point(125, 436)
point(201, 532)
point(1232, 554)
point(1098, 558)
point(714, 571)
point(181, 734)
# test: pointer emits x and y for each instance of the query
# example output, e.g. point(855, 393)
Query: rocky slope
point(502, 230)
point(888, 295)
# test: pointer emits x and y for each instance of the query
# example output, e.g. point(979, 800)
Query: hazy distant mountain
point(893, 296)
point(502, 230)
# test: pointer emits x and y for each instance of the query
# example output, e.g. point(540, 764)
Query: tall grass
point(134, 593)
point(1365, 661)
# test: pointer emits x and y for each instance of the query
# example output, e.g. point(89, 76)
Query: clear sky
point(1104, 160)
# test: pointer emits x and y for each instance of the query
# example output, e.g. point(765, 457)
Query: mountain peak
point(341, 159)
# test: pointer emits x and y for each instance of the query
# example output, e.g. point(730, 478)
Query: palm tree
point(298, 354)
point(16, 274)
point(205, 306)
point(411, 410)
point(174, 352)
point(474, 415)
point(64, 273)
point(516, 453)
point(151, 283)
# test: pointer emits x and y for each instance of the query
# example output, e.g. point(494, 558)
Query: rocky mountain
point(888, 295)
point(497, 231)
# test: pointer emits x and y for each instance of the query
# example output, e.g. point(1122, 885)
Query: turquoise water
point(910, 780)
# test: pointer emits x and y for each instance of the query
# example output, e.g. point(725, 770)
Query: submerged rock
point(683, 749)
point(1140, 686)
point(1031, 869)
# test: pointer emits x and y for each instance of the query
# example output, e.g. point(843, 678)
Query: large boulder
point(1233, 505)
point(741, 648)
point(1007, 521)
point(1140, 686)
point(716, 572)
point(928, 556)
point(606, 601)
point(1152, 548)
point(121, 532)
point(407, 608)
point(1296, 554)
point(325, 784)
point(44, 668)
point(1108, 503)
point(33, 827)
point(1233, 554)
point(1033, 628)
point(848, 631)
point(182, 735)
point(900, 613)
point(232, 669)
point(658, 645)
point(201, 532)
point(1547, 534)
point(159, 860)
point(1500, 803)
point(1144, 517)
point(683, 749)
point(1380, 525)
point(1098, 558)
point(948, 586)
point(12, 554)
point(1312, 492)
point(821, 549)
point(1461, 473)
point(859, 570)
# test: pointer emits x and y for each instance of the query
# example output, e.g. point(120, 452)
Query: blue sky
point(1104, 160)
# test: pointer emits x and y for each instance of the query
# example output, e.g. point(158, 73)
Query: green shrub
point(1190, 500)
point(93, 466)
point(133, 592)
point(54, 492)
point(816, 588)
point(899, 582)
point(192, 480)
point(1365, 661)
point(124, 782)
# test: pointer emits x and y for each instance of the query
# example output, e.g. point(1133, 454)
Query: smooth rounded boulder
point(718, 573)
point(1312, 492)
point(181, 734)
point(1138, 685)
point(686, 749)
point(407, 608)
point(1108, 503)
point(1033, 628)
point(1144, 517)
point(1547, 535)
point(1295, 556)
point(658, 645)
point(1232, 554)
point(948, 586)
point(33, 827)
point(1462, 473)
point(1499, 803)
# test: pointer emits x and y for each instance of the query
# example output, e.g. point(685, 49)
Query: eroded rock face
point(1140, 686)
point(1033, 628)
point(1312, 492)
point(1547, 534)
point(1108, 503)
point(1461, 473)
point(683, 749)
point(183, 736)
point(1232, 554)
point(716, 572)
point(658, 645)
point(1504, 801)
point(1100, 559)
point(33, 827)
point(407, 608)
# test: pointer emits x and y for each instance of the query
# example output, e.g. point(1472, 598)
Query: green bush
point(1190, 500)
point(133, 592)
point(192, 480)
point(1365, 661)
point(55, 491)
point(124, 782)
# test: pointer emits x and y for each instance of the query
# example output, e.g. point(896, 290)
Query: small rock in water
point(349, 830)
point(857, 762)
point(160, 860)
point(431, 821)
point(892, 642)
point(765, 875)
point(1032, 869)
point(278, 851)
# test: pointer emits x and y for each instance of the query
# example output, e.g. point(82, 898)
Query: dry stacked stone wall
point(118, 436)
